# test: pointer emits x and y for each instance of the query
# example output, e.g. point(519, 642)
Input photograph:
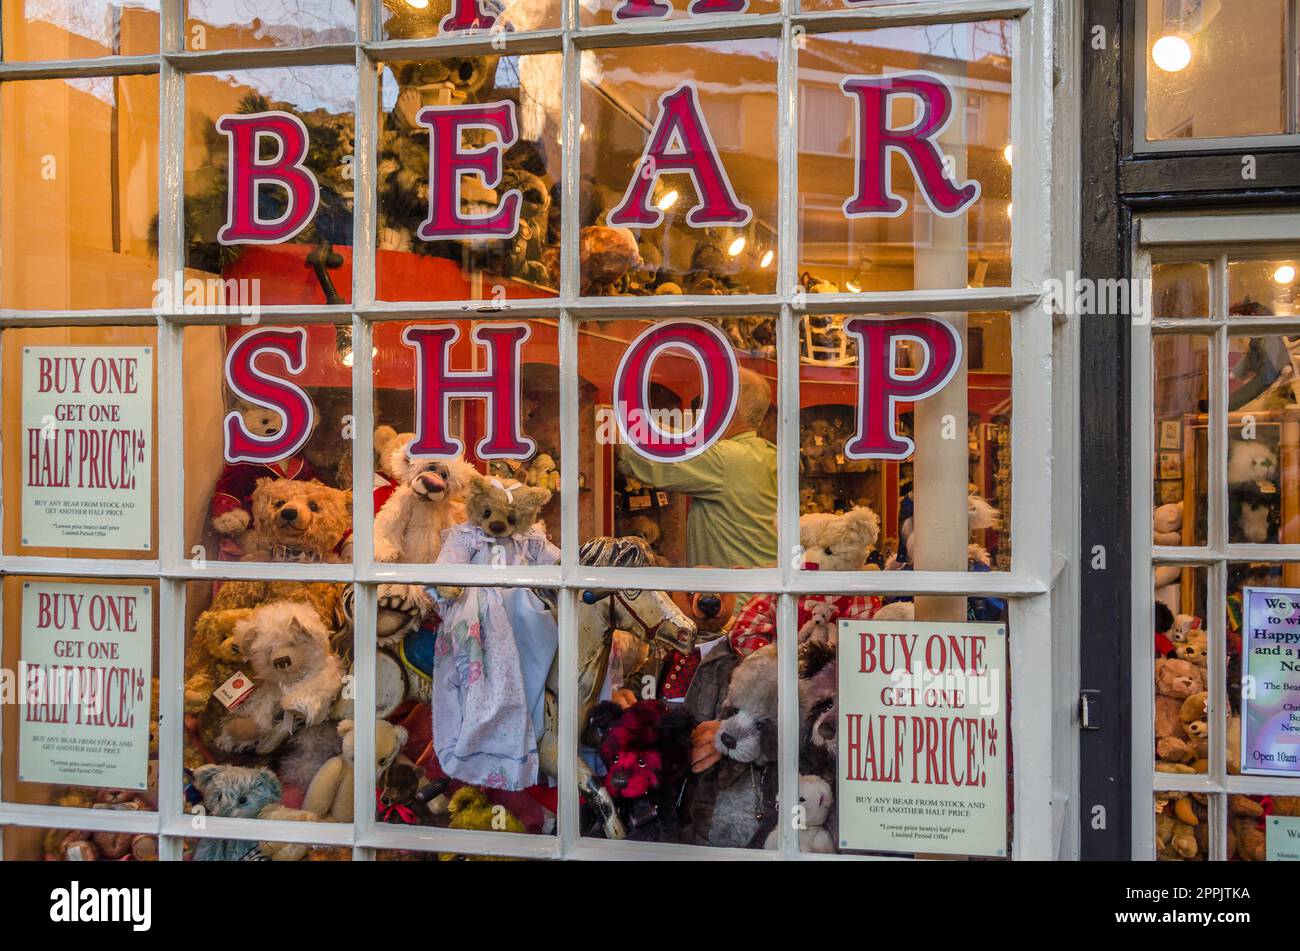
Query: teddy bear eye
point(278, 503)
point(640, 761)
point(829, 550)
point(487, 513)
point(512, 519)
point(314, 506)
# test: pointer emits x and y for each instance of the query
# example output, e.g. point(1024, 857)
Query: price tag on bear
point(235, 690)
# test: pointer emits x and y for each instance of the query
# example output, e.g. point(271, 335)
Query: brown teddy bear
point(300, 522)
point(1176, 680)
point(1247, 839)
point(330, 794)
point(1194, 718)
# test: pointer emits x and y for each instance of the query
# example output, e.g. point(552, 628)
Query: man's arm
point(701, 476)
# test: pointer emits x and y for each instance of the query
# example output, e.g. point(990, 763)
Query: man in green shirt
point(732, 485)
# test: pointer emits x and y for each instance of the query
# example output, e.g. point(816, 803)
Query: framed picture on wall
point(1171, 465)
point(1171, 434)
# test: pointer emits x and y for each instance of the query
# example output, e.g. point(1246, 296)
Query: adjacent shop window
point(432, 361)
point(1221, 456)
point(1216, 71)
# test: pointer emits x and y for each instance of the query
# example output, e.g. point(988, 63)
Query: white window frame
point(1215, 238)
point(1027, 586)
point(1288, 139)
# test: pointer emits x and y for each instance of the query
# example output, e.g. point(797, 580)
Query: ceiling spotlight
point(417, 4)
point(1284, 275)
point(1008, 211)
point(1171, 53)
point(736, 246)
point(1006, 153)
point(766, 259)
point(667, 199)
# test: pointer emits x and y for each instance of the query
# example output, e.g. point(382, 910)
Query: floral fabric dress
point(494, 649)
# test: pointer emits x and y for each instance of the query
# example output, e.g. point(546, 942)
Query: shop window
point(420, 258)
point(651, 225)
point(386, 475)
point(1180, 289)
point(244, 24)
point(80, 165)
point(1220, 456)
point(40, 29)
point(1265, 287)
point(81, 655)
point(954, 454)
point(974, 144)
point(632, 12)
point(240, 263)
point(1215, 71)
point(80, 446)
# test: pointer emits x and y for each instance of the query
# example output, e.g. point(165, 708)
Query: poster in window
point(86, 458)
point(1270, 681)
point(922, 761)
point(86, 674)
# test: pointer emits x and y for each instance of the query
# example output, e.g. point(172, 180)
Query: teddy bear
point(400, 797)
point(1194, 648)
point(605, 255)
point(427, 500)
point(734, 804)
point(1193, 717)
point(231, 510)
point(1167, 524)
point(1252, 492)
point(1175, 828)
point(296, 677)
point(299, 522)
point(815, 801)
point(1247, 838)
point(75, 845)
point(645, 749)
point(818, 708)
point(330, 793)
point(470, 809)
point(827, 542)
point(237, 792)
point(487, 703)
point(1176, 680)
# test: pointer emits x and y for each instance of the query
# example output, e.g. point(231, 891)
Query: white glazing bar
point(363, 449)
point(171, 699)
point(1141, 662)
point(567, 758)
point(1029, 657)
point(787, 705)
point(365, 190)
point(364, 646)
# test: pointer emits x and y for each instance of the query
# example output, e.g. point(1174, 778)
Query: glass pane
point(83, 731)
point(1181, 289)
point(64, 29)
point(30, 844)
point(905, 744)
point(1215, 69)
point(1182, 723)
point(241, 24)
point(312, 265)
point(678, 722)
point(80, 442)
point(79, 159)
point(404, 19)
point(1264, 288)
point(465, 694)
point(668, 460)
point(1261, 677)
point(899, 234)
point(254, 489)
point(953, 446)
point(1264, 446)
point(521, 92)
point(606, 12)
point(1182, 825)
point(421, 489)
point(267, 720)
point(677, 231)
point(1180, 467)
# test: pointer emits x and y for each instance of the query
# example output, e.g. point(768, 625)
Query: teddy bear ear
point(204, 775)
point(345, 727)
point(262, 483)
point(400, 735)
point(534, 495)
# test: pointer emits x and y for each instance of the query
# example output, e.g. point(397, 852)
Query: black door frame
point(1115, 185)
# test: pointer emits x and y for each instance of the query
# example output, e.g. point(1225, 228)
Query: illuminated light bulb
point(417, 5)
point(1284, 275)
point(1006, 153)
point(348, 359)
point(767, 258)
point(1171, 53)
point(736, 246)
point(1008, 211)
point(667, 200)
point(854, 286)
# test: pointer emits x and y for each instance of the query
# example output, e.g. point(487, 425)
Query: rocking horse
point(650, 616)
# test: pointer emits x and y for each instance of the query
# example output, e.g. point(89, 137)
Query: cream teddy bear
point(330, 793)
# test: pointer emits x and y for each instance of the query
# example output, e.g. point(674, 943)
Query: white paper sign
point(86, 674)
point(922, 764)
point(86, 456)
point(1282, 839)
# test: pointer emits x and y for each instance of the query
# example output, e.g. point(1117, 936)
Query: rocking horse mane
point(608, 552)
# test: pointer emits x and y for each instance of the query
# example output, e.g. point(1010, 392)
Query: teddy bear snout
point(430, 483)
point(618, 779)
point(497, 527)
point(709, 605)
point(283, 662)
point(289, 514)
point(727, 740)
